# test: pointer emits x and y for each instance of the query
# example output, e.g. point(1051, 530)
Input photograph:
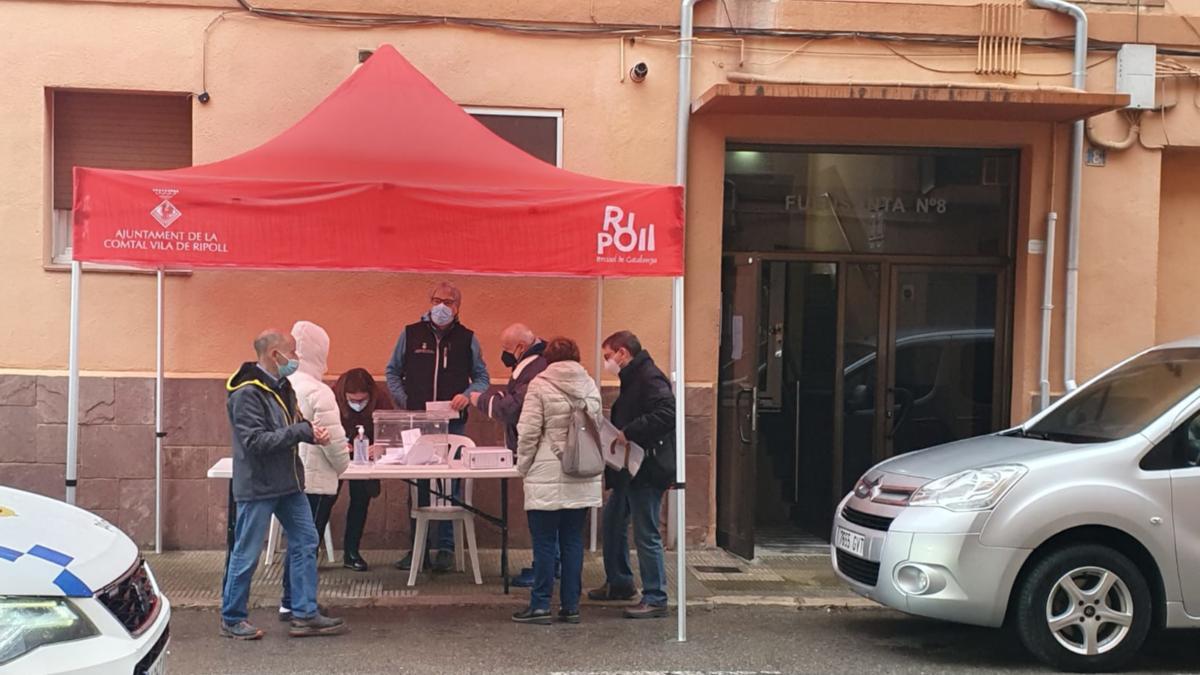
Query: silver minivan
point(1080, 528)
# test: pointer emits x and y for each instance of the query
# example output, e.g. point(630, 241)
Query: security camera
point(203, 97)
point(639, 72)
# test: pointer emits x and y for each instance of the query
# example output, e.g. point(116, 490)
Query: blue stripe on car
point(72, 585)
point(56, 557)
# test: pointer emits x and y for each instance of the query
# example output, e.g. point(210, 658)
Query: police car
point(75, 594)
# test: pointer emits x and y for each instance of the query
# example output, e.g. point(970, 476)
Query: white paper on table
point(424, 452)
point(614, 451)
point(394, 456)
point(409, 438)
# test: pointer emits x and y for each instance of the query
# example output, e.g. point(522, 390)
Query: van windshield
point(1125, 401)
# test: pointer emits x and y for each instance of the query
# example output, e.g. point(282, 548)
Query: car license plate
point(159, 667)
point(852, 543)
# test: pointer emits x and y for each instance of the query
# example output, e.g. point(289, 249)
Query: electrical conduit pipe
point(1079, 81)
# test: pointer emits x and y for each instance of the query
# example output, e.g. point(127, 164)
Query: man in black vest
point(438, 359)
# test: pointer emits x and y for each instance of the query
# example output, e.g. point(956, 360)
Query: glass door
point(829, 366)
point(861, 389)
point(946, 375)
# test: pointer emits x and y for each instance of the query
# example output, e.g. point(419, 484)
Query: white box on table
point(488, 458)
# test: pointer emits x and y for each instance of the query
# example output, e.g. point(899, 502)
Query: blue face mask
point(289, 368)
point(442, 315)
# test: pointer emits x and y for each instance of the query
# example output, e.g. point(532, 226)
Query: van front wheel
point(1084, 608)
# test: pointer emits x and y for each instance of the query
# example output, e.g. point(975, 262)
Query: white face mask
point(442, 315)
point(357, 406)
point(612, 367)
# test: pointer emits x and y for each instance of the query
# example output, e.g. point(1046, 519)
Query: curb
point(425, 601)
point(422, 601)
point(793, 602)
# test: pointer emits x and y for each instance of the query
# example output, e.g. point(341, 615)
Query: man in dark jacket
point(523, 354)
point(268, 479)
point(645, 413)
point(438, 359)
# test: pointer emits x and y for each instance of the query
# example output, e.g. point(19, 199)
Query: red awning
point(386, 173)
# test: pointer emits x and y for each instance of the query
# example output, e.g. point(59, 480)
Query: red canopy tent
point(376, 177)
point(379, 176)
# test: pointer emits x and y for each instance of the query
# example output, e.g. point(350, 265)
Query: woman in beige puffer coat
point(555, 503)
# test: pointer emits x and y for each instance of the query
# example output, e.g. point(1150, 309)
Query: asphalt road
point(725, 640)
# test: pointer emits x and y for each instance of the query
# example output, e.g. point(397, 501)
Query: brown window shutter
point(536, 135)
point(112, 130)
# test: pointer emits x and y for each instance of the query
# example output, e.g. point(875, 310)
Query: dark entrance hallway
point(836, 358)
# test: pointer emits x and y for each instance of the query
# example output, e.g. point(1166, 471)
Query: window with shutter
point(538, 132)
point(112, 130)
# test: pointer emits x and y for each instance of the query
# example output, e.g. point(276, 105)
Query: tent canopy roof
point(385, 173)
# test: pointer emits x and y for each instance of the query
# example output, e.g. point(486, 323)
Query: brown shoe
point(607, 593)
point(644, 611)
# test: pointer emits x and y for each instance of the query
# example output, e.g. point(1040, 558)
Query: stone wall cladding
point(116, 445)
point(116, 461)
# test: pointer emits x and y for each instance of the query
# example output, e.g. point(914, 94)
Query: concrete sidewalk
point(715, 578)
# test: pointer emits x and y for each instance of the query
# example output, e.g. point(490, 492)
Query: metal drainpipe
point(683, 117)
point(1079, 81)
point(1047, 315)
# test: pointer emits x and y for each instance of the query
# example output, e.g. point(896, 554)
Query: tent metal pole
point(680, 458)
point(599, 376)
point(158, 414)
point(72, 467)
point(599, 329)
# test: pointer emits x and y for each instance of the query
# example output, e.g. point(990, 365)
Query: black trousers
point(361, 492)
point(322, 508)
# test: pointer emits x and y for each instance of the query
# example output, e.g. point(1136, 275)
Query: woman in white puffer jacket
point(555, 503)
point(318, 404)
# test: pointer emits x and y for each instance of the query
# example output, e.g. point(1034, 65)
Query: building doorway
point(865, 310)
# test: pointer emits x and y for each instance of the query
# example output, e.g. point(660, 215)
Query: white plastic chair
point(441, 509)
point(273, 542)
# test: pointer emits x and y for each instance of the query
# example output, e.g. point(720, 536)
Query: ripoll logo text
point(620, 234)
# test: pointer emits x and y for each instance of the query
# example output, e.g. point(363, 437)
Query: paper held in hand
point(615, 454)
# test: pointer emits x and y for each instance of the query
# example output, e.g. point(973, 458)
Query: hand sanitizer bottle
point(361, 445)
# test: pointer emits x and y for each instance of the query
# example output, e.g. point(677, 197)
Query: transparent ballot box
point(394, 427)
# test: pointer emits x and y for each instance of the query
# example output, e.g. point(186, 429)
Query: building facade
point(868, 199)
